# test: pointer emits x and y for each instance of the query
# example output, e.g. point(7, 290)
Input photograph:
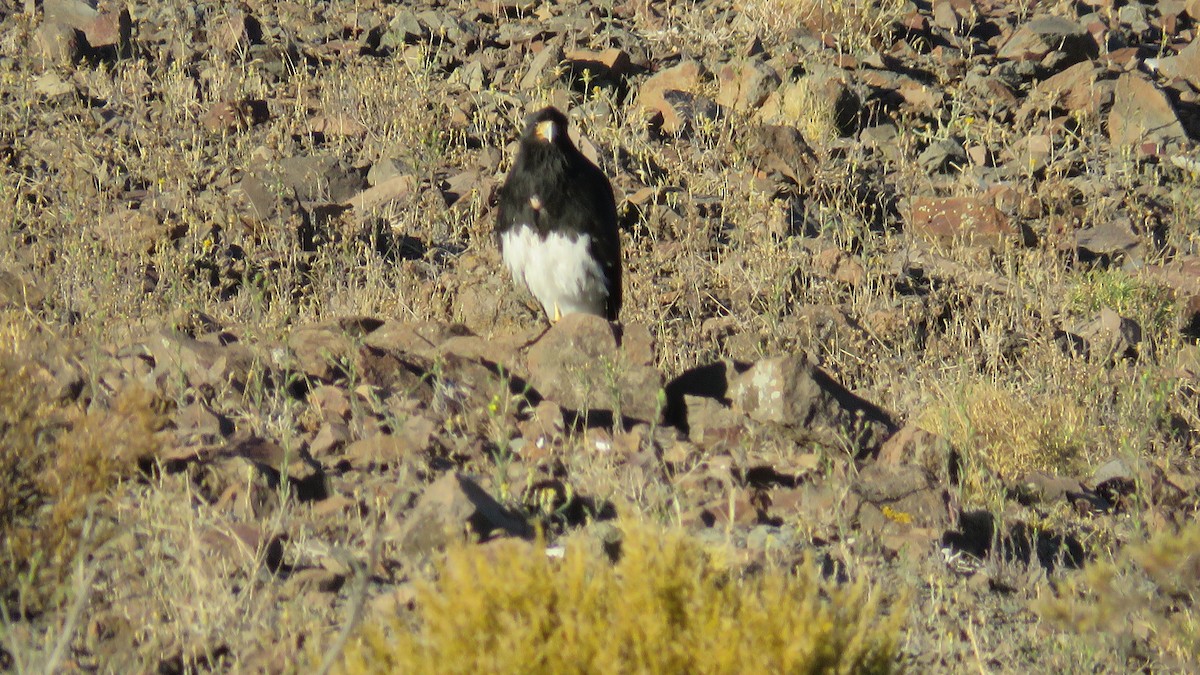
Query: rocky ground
point(913, 291)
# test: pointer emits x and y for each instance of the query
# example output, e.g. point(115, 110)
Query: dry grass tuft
point(666, 606)
point(58, 459)
point(1010, 431)
point(1146, 600)
point(854, 24)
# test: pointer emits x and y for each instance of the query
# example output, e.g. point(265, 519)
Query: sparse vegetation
point(226, 384)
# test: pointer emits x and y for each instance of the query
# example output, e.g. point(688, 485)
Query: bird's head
point(547, 125)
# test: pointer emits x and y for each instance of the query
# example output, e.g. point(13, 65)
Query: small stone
point(390, 190)
point(543, 69)
point(1040, 36)
point(684, 77)
point(782, 150)
point(452, 507)
point(792, 392)
point(746, 85)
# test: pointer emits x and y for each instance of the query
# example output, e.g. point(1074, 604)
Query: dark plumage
point(557, 223)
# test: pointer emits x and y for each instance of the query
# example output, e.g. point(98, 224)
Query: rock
point(683, 112)
point(52, 87)
point(197, 424)
point(337, 124)
point(388, 450)
point(320, 178)
point(74, 13)
point(1042, 35)
point(386, 169)
point(59, 43)
point(237, 33)
point(1111, 336)
point(835, 264)
point(823, 99)
point(1185, 64)
point(230, 116)
point(712, 424)
point(420, 338)
point(452, 507)
point(901, 498)
point(942, 157)
point(323, 352)
point(109, 31)
point(612, 63)
point(579, 365)
point(202, 364)
point(782, 150)
point(915, 446)
point(792, 392)
point(1043, 488)
point(239, 544)
point(1141, 113)
point(543, 69)
point(1111, 240)
point(746, 85)
point(684, 77)
point(974, 220)
point(390, 190)
point(1073, 89)
point(332, 437)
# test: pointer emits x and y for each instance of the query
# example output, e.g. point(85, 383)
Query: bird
point(556, 223)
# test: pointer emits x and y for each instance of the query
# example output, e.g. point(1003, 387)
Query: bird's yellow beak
point(545, 131)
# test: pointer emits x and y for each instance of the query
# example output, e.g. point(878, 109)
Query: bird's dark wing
point(597, 209)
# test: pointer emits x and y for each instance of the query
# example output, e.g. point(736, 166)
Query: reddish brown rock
point(1072, 89)
point(970, 219)
point(1142, 113)
point(746, 85)
point(684, 77)
point(579, 365)
point(110, 30)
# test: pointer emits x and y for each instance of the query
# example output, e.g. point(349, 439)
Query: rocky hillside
point(912, 300)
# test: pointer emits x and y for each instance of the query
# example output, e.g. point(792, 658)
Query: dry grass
point(60, 460)
point(718, 267)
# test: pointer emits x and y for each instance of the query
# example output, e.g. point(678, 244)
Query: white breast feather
point(558, 270)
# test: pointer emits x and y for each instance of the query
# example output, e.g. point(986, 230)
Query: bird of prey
point(557, 224)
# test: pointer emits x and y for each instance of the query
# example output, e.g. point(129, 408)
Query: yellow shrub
point(665, 607)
